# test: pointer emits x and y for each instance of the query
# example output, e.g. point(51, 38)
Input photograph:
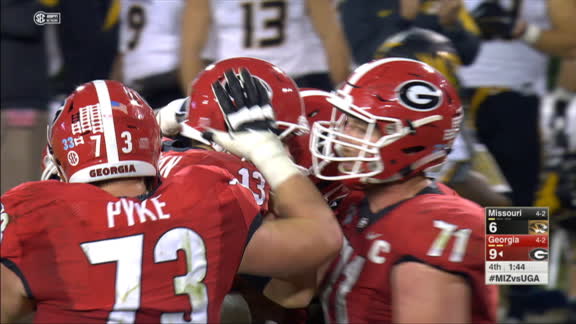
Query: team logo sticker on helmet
point(419, 95)
point(88, 119)
point(73, 158)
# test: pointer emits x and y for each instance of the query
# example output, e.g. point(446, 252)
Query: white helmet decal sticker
point(419, 95)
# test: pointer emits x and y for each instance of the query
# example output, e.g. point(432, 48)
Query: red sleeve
point(12, 204)
point(172, 162)
point(18, 223)
point(448, 234)
point(232, 196)
point(9, 239)
point(235, 196)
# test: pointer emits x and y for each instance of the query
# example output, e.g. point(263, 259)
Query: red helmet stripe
point(107, 120)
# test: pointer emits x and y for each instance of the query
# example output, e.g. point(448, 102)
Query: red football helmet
point(414, 108)
point(317, 108)
point(104, 131)
point(204, 111)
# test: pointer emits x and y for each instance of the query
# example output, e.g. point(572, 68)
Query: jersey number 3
point(127, 253)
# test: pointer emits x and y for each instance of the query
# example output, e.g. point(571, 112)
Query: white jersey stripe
point(107, 121)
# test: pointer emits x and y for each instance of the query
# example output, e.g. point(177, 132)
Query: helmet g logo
point(419, 95)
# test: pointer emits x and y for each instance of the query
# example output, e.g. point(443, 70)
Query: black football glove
point(251, 127)
point(245, 103)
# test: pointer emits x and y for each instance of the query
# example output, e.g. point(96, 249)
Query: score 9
point(493, 254)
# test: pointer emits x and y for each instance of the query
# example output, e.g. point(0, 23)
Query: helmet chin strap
point(59, 169)
point(49, 171)
point(55, 164)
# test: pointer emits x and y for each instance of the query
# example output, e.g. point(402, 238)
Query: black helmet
point(423, 45)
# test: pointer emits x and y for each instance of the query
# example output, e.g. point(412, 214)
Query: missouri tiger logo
point(538, 227)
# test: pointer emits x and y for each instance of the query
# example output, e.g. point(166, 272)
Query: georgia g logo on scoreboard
point(419, 95)
point(539, 254)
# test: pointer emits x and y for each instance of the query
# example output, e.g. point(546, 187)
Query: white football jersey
point(278, 31)
point(150, 37)
point(511, 64)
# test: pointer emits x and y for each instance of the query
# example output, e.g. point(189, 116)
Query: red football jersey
point(436, 227)
point(86, 256)
point(333, 192)
point(172, 161)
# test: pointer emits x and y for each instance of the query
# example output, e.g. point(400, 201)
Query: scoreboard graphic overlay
point(517, 245)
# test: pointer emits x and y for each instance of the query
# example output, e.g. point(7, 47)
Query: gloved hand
point(251, 126)
point(494, 21)
point(170, 116)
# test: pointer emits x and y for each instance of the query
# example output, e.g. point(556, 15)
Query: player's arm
point(14, 303)
point(440, 268)
point(453, 21)
point(424, 294)
point(327, 25)
point(297, 291)
point(306, 233)
point(196, 21)
point(567, 77)
point(559, 40)
point(409, 9)
point(116, 70)
point(475, 186)
point(304, 236)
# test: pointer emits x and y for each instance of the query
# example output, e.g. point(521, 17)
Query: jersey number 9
point(136, 22)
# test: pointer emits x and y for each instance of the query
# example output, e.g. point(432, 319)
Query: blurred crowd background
point(514, 60)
